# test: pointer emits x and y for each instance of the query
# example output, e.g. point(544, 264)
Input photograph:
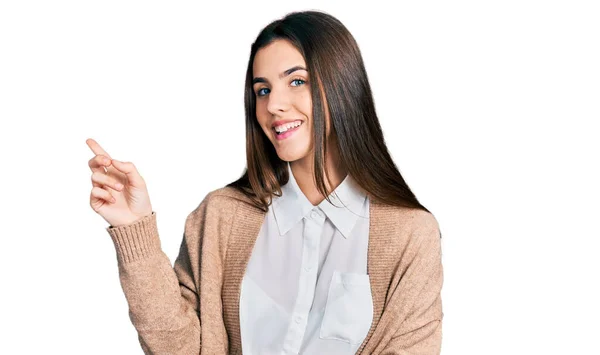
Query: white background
point(488, 109)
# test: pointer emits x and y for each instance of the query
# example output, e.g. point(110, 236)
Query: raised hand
point(119, 192)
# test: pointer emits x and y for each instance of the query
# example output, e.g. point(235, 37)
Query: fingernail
point(119, 186)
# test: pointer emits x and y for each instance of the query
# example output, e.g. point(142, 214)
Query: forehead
point(276, 57)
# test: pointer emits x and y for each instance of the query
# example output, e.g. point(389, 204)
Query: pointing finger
point(96, 148)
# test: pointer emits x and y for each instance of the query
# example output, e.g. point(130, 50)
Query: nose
point(279, 101)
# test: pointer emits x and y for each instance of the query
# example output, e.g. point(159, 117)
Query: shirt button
point(307, 268)
point(298, 319)
point(314, 214)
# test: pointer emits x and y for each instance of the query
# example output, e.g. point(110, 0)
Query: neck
point(304, 174)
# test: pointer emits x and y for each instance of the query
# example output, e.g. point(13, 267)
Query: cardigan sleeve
point(419, 301)
point(163, 299)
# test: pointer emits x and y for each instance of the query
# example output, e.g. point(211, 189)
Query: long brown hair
point(334, 60)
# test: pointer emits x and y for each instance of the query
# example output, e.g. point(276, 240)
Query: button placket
point(307, 283)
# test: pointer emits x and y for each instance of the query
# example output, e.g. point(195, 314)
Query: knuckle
point(99, 160)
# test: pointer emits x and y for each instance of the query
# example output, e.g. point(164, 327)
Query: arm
point(163, 300)
point(419, 293)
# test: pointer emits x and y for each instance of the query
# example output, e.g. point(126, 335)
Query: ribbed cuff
point(136, 241)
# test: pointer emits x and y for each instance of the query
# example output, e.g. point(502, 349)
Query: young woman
point(319, 248)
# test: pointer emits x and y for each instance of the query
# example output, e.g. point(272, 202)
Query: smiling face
point(283, 99)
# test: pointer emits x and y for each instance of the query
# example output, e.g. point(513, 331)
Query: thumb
point(130, 170)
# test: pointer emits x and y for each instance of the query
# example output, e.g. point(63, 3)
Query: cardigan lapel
point(381, 233)
point(245, 230)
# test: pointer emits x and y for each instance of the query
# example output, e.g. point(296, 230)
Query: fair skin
point(283, 93)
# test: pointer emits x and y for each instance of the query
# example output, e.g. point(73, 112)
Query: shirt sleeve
point(163, 299)
point(418, 300)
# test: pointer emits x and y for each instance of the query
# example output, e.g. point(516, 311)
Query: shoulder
point(423, 235)
point(227, 195)
point(417, 235)
point(408, 219)
point(424, 222)
point(426, 230)
point(221, 203)
point(412, 228)
point(422, 225)
point(212, 219)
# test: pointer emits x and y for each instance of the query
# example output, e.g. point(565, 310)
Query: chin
point(290, 157)
point(291, 154)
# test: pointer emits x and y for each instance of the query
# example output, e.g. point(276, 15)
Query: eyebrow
point(281, 76)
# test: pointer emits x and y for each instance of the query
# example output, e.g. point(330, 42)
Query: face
point(283, 100)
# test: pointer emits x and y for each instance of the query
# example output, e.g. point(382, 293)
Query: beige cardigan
point(193, 306)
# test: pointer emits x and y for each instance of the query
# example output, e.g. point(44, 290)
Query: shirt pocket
point(349, 308)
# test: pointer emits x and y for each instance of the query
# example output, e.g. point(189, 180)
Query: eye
point(299, 81)
point(261, 93)
point(295, 82)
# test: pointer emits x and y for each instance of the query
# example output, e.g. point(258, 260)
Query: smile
point(288, 133)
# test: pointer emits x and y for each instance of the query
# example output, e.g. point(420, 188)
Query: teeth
point(287, 126)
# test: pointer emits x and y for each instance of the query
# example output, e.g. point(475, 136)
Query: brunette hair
point(336, 67)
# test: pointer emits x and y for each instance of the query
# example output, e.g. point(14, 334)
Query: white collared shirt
point(306, 288)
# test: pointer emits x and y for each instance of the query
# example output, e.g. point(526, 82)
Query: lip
point(288, 133)
point(280, 122)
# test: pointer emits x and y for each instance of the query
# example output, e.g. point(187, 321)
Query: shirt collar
point(292, 205)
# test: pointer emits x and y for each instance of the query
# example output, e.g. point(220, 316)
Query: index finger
point(96, 148)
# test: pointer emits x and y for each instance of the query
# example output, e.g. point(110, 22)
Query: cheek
point(304, 103)
point(262, 115)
